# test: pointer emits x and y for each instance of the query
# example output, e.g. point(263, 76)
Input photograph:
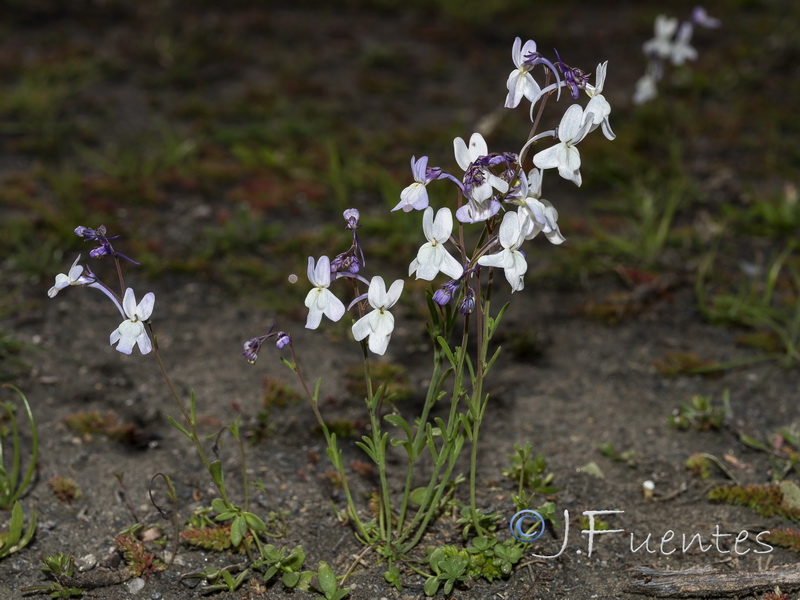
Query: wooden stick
point(705, 581)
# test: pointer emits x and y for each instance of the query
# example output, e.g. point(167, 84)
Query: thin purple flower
point(104, 247)
point(575, 79)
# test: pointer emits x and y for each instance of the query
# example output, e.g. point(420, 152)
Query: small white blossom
point(565, 156)
point(479, 191)
point(132, 330)
point(74, 277)
point(598, 106)
point(378, 324)
point(540, 216)
point(510, 259)
point(681, 49)
point(433, 256)
point(415, 196)
point(520, 81)
point(661, 44)
point(320, 300)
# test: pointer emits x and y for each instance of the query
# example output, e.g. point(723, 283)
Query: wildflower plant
point(670, 45)
point(497, 209)
point(136, 331)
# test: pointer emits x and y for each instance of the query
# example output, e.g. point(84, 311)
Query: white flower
point(661, 44)
point(432, 256)
point(320, 300)
point(415, 196)
point(379, 323)
point(132, 331)
point(520, 82)
point(74, 277)
point(478, 185)
point(565, 156)
point(681, 49)
point(510, 259)
point(598, 106)
point(540, 216)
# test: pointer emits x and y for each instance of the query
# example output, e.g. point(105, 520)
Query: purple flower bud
point(468, 303)
point(252, 348)
point(84, 232)
point(442, 297)
point(283, 340)
point(444, 294)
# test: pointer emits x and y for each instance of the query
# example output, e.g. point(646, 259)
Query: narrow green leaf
point(753, 442)
point(289, 364)
point(400, 422)
point(446, 349)
point(493, 323)
point(179, 427)
point(491, 360)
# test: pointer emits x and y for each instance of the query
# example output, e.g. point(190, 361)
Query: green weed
point(767, 299)
point(701, 413)
point(12, 483)
point(61, 567)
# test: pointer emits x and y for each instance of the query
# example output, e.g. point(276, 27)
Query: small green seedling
point(61, 567)
point(530, 473)
point(449, 565)
point(701, 413)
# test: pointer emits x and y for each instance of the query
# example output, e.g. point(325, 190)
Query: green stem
point(330, 439)
point(477, 404)
point(373, 408)
point(419, 437)
point(431, 501)
point(245, 485)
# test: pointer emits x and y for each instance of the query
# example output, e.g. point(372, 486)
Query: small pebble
point(86, 563)
point(135, 585)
